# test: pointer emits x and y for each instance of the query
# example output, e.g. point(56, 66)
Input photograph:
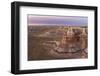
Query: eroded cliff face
point(73, 36)
point(74, 41)
point(61, 42)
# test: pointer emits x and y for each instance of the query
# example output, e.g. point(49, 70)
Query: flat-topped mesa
point(84, 32)
point(73, 35)
point(84, 38)
point(67, 38)
point(70, 32)
point(68, 35)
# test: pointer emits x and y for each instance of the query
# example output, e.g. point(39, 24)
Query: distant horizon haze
point(39, 20)
point(53, 25)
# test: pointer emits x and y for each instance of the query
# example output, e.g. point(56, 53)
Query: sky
point(38, 20)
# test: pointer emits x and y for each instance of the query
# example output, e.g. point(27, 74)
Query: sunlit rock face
point(73, 44)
